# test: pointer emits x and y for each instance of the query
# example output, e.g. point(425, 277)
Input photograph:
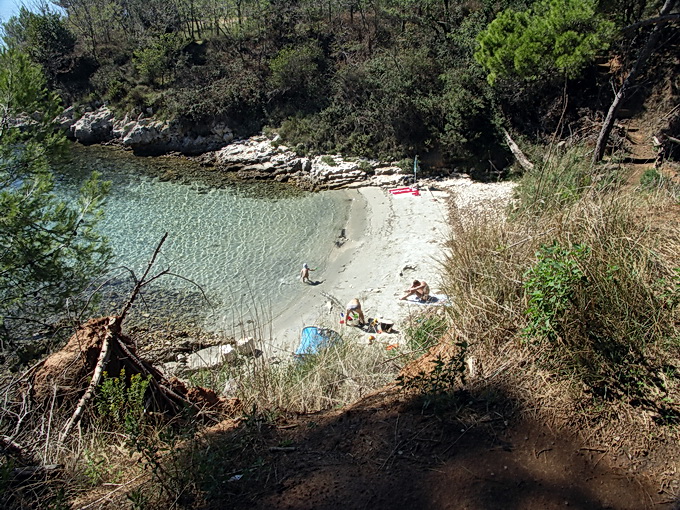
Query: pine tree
point(49, 249)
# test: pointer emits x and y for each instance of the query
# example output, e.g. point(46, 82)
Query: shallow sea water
point(243, 243)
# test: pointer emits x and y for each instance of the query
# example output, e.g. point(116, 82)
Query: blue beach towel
point(314, 339)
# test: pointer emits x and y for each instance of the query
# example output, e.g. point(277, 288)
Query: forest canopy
point(384, 79)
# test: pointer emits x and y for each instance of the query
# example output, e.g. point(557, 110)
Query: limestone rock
point(211, 357)
point(94, 127)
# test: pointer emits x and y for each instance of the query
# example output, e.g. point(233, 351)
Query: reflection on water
point(243, 243)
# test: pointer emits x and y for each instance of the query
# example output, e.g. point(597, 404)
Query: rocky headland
point(258, 157)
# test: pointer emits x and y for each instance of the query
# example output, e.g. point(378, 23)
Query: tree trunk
point(517, 152)
point(644, 55)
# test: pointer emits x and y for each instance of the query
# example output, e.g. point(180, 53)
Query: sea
point(233, 251)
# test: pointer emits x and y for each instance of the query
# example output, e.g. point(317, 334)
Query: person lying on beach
point(418, 288)
point(304, 273)
point(354, 306)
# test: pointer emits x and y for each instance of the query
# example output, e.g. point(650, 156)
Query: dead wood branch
point(96, 377)
point(517, 152)
point(22, 473)
point(651, 21)
point(9, 446)
point(141, 281)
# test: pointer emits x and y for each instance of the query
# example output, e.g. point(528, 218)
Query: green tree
point(43, 36)
point(297, 69)
point(555, 35)
point(157, 61)
point(49, 248)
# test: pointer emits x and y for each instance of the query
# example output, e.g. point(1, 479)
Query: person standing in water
point(304, 273)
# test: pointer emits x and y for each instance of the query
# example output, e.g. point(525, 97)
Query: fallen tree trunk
point(517, 152)
point(97, 346)
point(96, 377)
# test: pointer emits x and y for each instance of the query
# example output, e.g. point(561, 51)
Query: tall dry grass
point(336, 376)
point(572, 297)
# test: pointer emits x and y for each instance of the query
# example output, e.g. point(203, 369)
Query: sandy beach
point(390, 241)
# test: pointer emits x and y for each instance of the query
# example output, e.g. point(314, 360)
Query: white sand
point(391, 240)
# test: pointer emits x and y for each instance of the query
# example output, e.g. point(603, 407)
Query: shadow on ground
point(389, 450)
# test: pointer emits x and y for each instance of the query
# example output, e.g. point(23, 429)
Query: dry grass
point(609, 364)
point(336, 376)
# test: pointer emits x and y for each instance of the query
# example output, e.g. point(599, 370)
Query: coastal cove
point(236, 246)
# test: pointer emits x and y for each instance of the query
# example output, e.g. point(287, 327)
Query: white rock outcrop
point(143, 134)
point(93, 127)
point(258, 157)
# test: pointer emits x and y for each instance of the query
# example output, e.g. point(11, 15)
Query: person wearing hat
point(304, 273)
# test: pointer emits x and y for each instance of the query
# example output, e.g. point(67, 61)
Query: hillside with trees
point(383, 79)
point(551, 380)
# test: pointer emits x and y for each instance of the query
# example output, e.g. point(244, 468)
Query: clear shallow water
point(244, 244)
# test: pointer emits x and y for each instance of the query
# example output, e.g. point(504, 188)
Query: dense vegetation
point(387, 78)
point(571, 298)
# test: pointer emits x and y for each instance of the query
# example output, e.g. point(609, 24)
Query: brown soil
point(71, 366)
point(387, 452)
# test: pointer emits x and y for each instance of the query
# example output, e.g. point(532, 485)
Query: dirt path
point(642, 154)
point(386, 452)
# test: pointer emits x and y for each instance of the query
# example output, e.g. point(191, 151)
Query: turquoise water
point(244, 244)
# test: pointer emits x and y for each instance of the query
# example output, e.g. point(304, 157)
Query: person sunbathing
point(418, 288)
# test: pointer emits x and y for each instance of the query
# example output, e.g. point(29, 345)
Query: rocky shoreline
point(258, 157)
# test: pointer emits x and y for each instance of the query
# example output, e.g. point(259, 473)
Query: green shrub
point(158, 61)
point(599, 300)
point(405, 165)
point(550, 285)
point(425, 331)
point(120, 404)
point(110, 81)
point(650, 178)
point(365, 166)
point(328, 160)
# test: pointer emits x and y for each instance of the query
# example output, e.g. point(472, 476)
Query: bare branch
point(651, 21)
point(517, 152)
point(140, 283)
point(98, 370)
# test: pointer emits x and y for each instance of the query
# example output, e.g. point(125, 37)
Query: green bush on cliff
point(157, 61)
